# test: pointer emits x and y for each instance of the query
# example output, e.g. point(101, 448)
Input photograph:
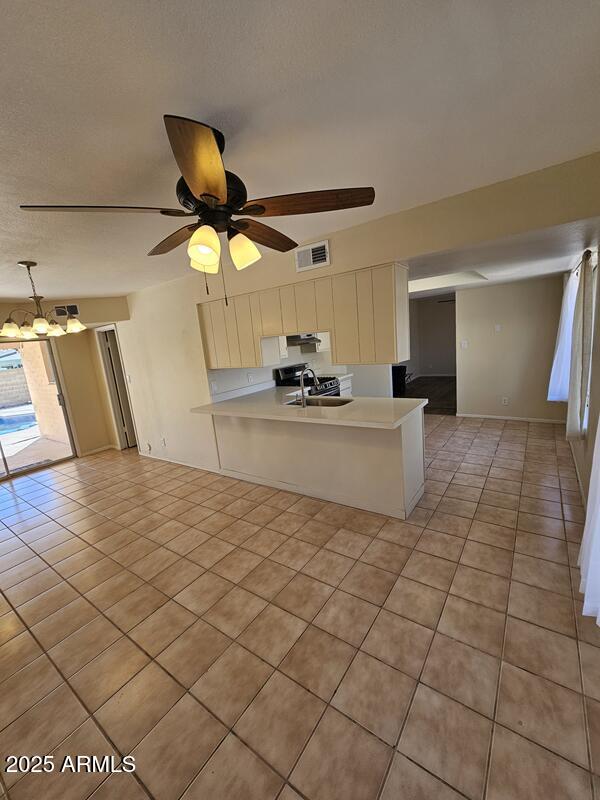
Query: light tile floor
point(244, 643)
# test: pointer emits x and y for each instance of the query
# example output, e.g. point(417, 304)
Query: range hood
point(302, 338)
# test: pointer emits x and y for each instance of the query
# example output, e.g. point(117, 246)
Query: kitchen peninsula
point(367, 453)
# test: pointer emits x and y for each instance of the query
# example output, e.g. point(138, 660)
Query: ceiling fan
point(214, 195)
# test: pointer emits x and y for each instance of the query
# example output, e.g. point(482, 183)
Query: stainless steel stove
point(290, 376)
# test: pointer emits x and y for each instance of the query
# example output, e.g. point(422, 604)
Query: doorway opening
point(117, 387)
point(431, 370)
point(34, 429)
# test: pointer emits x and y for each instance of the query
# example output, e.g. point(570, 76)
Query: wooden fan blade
point(168, 212)
point(173, 240)
point(198, 158)
point(309, 202)
point(263, 234)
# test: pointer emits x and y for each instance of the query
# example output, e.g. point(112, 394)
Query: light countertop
point(362, 412)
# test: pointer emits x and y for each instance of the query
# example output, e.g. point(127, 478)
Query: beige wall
point(553, 196)
point(583, 450)
point(83, 390)
point(167, 374)
point(515, 361)
point(92, 311)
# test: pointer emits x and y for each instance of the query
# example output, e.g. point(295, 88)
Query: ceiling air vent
point(64, 311)
point(312, 256)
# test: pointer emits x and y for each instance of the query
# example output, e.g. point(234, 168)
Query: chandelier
point(42, 322)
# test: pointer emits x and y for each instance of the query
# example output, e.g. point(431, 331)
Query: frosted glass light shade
point(211, 269)
point(27, 331)
point(243, 251)
point(204, 247)
point(41, 325)
point(56, 330)
point(10, 329)
point(74, 325)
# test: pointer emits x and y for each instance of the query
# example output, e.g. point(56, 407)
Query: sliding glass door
point(34, 430)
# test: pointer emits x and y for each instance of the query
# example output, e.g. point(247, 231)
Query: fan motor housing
point(237, 195)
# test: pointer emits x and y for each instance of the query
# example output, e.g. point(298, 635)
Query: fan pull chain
point(206, 284)
point(224, 287)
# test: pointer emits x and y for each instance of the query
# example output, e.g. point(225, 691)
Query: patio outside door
point(33, 426)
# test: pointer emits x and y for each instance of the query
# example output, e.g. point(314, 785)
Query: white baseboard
point(99, 450)
point(513, 419)
point(216, 470)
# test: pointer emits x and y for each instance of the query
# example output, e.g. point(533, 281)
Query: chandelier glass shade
point(38, 322)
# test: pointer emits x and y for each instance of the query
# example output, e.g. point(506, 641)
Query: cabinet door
point(245, 330)
point(324, 304)
point(270, 311)
point(217, 316)
point(306, 307)
point(345, 319)
point(288, 309)
point(384, 294)
point(233, 339)
point(256, 326)
point(208, 338)
point(366, 334)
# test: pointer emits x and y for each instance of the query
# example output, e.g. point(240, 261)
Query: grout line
point(464, 542)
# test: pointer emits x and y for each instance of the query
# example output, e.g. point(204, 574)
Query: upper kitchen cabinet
point(345, 318)
point(366, 313)
point(370, 316)
point(245, 330)
point(270, 311)
point(289, 318)
point(306, 307)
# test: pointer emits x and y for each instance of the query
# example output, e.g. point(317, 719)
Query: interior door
point(117, 387)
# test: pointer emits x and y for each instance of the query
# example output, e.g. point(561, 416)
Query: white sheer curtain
point(558, 388)
point(589, 555)
point(581, 351)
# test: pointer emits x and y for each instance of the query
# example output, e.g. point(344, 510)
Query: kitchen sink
point(323, 401)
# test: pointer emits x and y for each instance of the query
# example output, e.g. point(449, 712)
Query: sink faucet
point(302, 374)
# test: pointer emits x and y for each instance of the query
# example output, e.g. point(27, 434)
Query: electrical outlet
point(149, 447)
point(497, 328)
point(464, 344)
point(250, 377)
point(505, 401)
point(163, 442)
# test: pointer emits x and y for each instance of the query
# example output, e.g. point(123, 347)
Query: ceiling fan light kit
point(43, 323)
point(242, 250)
point(208, 269)
point(215, 195)
point(204, 247)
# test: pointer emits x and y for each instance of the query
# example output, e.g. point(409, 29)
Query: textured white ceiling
point(419, 99)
